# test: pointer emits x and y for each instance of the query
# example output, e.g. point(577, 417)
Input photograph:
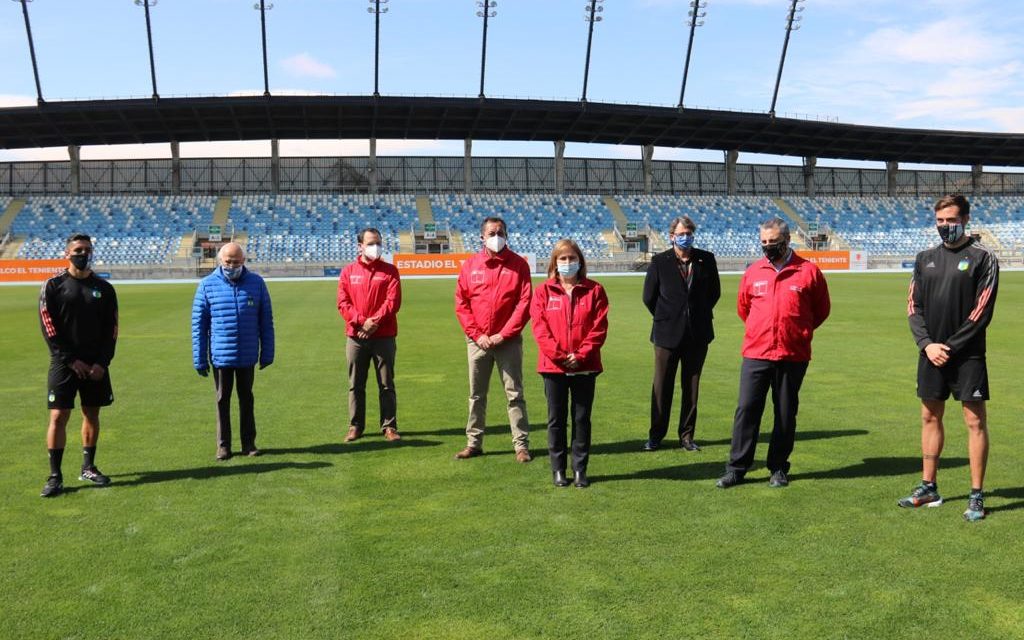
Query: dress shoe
point(223, 453)
point(252, 453)
point(560, 479)
point(354, 433)
point(688, 445)
point(391, 434)
point(523, 456)
point(730, 479)
point(651, 445)
point(580, 481)
point(469, 452)
point(778, 479)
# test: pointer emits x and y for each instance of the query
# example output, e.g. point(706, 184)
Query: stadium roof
point(106, 122)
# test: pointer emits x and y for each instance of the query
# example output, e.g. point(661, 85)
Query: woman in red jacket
point(570, 322)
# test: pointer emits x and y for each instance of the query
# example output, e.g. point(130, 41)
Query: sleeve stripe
point(980, 307)
point(910, 300)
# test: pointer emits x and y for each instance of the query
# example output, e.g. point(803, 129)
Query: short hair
point(362, 233)
point(563, 245)
point(687, 223)
point(490, 219)
point(776, 223)
point(954, 200)
point(78, 237)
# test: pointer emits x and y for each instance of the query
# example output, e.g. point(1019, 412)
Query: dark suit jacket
point(676, 308)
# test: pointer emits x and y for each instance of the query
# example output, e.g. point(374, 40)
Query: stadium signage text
point(30, 270)
point(828, 260)
point(430, 264)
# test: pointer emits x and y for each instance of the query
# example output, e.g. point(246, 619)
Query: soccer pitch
point(318, 539)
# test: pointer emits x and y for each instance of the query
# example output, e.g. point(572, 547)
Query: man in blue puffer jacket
point(232, 328)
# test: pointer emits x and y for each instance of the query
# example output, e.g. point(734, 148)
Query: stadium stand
point(878, 225)
point(318, 228)
point(726, 225)
point(1003, 217)
point(535, 221)
point(126, 229)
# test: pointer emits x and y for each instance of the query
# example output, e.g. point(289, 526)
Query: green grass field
point(317, 539)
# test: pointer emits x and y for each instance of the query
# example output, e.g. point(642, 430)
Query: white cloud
point(948, 41)
point(972, 81)
point(16, 101)
point(305, 65)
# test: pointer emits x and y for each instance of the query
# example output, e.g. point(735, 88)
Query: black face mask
point(81, 261)
point(774, 252)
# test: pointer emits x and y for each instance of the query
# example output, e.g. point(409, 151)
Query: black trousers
point(224, 380)
point(558, 388)
point(756, 377)
point(691, 355)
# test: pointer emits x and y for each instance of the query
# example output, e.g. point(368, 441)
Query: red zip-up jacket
point(781, 309)
point(492, 295)
point(569, 323)
point(368, 291)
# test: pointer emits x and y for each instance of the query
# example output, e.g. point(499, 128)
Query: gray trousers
point(360, 353)
point(508, 356)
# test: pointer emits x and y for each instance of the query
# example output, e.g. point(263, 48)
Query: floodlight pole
point(485, 12)
point(791, 18)
point(146, 4)
point(32, 50)
point(376, 10)
point(592, 9)
point(263, 8)
point(695, 15)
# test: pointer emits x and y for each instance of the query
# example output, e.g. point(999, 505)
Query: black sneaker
point(93, 475)
point(54, 487)
point(975, 507)
point(730, 479)
point(778, 479)
point(651, 445)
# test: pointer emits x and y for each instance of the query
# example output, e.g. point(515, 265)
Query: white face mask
point(495, 243)
point(371, 251)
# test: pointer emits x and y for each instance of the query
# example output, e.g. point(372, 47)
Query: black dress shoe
point(688, 445)
point(580, 481)
point(560, 479)
point(651, 445)
point(730, 479)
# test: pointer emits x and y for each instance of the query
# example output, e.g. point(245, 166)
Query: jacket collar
point(586, 284)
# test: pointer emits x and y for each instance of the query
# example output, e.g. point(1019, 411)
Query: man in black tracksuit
point(951, 301)
point(78, 317)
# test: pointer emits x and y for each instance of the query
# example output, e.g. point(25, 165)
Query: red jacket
point(781, 309)
point(367, 291)
point(493, 295)
point(564, 324)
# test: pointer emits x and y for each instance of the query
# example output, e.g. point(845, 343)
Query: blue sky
point(915, 63)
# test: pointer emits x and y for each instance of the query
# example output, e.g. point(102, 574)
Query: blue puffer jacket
point(232, 322)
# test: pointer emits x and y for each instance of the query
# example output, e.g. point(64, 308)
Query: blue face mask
point(232, 273)
point(684, 241)
point(568, 269)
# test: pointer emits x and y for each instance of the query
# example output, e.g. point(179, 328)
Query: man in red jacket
point(369, 295)
point(492, 302)
point(782, 299)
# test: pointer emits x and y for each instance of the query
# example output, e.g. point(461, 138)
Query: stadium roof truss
point(105, 122)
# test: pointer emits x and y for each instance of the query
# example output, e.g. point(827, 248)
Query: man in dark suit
point(680, 290)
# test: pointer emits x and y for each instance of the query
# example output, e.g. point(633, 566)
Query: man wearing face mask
point(78, 317)
point(680, 290)
point(492, 303)
point(782, 299)
point(232, 328)
point(369, 296)
point(950, 305)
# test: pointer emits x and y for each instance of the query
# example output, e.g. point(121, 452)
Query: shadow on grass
point(490, 430)
point(364, 444)
point(698, 471)
point(213, 471)
point(1009, 494)
point(875, 467)
point(635, 446)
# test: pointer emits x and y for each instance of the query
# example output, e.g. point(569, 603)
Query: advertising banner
point(30, 270)
point(441, 264)
point(828, 260)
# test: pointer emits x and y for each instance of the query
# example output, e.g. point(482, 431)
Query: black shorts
point(966, 379)
point(64, 384)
